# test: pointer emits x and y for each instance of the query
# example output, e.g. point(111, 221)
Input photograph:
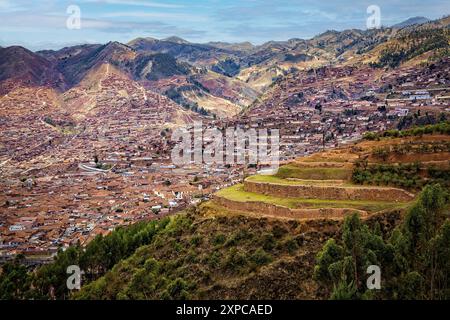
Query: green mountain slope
point(207, 254)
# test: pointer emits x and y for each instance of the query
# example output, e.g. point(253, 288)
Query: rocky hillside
point(211, 253)
point(19, 66)
point(217, 255)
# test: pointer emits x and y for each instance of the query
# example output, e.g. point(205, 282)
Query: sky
point(52, 24)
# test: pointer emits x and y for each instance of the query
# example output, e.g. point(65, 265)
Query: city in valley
point(82, 162)
point(87, 131)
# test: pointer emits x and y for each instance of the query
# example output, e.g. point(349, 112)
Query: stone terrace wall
point(279, 211)
point(329, 192)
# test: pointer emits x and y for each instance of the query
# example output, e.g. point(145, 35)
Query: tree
point(49, 280)
point(14, 280)
point(330, 253)
point(439, 257)
point(318, 107)
point(343, 266)
point(415, 260)
point(344, 291)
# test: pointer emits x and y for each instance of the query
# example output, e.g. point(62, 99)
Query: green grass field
point(278, 180)
point(300, 182)
point(292, 171)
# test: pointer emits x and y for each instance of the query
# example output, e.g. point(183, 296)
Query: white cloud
point(9, 6)
point(157, 15)
point(141, 3)
point(4, 4)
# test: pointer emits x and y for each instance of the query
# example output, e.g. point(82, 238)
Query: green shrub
point(235, 260)
point(196, 240)
point(268, 241)
point(291, 245)
point(260, 257)
point(214, 259)
point(439, 128)
point(219, 239)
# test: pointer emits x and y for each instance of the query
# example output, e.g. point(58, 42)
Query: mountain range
point(221, 78)
point(411, 21)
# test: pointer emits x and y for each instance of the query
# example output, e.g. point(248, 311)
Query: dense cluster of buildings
point(67, 177)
